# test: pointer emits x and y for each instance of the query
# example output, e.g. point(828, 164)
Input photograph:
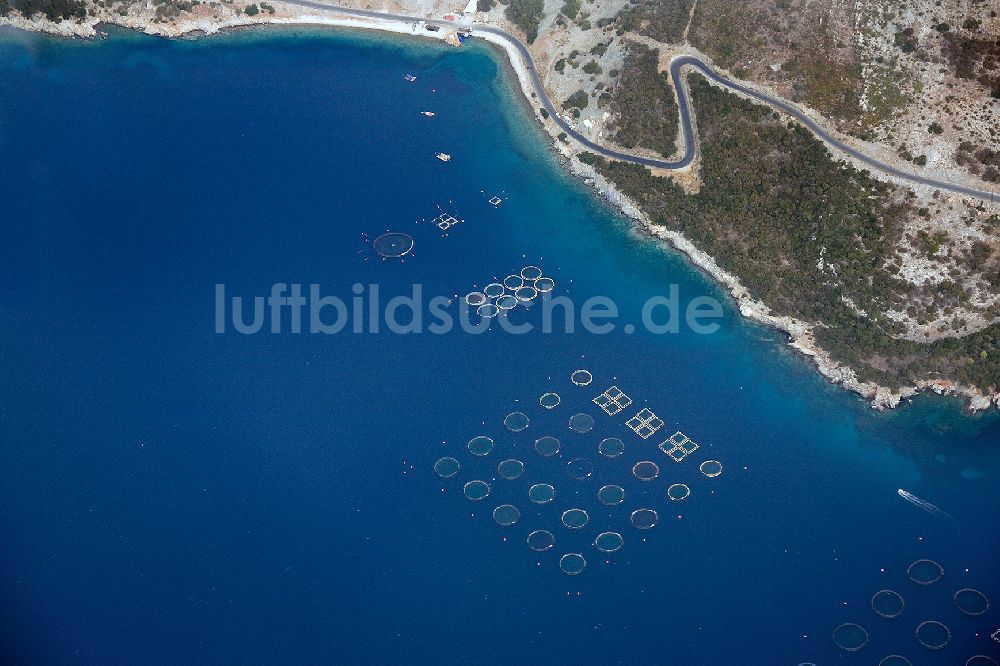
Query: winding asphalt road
point(687, 129)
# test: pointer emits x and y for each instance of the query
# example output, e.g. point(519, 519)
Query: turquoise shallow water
point(172, 494)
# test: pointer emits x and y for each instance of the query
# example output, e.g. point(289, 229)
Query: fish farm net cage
point(393, 245)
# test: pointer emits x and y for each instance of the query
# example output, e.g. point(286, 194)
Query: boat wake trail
point(923, 504)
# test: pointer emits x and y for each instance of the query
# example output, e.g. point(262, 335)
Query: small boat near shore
point(429, 114)
point(444, 157)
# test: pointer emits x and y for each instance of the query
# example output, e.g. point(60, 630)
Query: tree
point(526, 14)
point(570, 8)
point(578, 100)
point(54, 10)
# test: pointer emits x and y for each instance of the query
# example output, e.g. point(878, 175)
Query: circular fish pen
point(850, 637)
point(611, 447)
point(510, 469)
point(925, 572)
point(480, 445)
point(888, 604)
point(547, 446)
point(581, 377)
point(541, 493)
point(531, 273)
point(678, 492)
point(393, 245)
point(710, 468)
point(476, 490)
point(475, 298)
point(513, 282)
point(447, 467)
point(487, 310)
point(545, 284)
point(611, 495)
point(895, 660)
point(645, 470)
point(575, 519)
point(581, 423)
point(506, 515)
point(541, 540)
point(579, 468)
point(526, 294)
point(493, 290)
point(932, 634)
point(549, 400)
point(980, 660)
point(971, 602)
point(572, 563)
point(506, 302)
point(644, 519)
point(608, 542)
point(516, 421)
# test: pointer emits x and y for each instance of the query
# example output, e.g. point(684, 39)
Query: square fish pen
point(678, 446)
point(612, 401)
point(645, 423)
point(444, 221)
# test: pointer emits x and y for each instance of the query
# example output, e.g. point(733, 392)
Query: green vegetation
point(485, 5)
point(905, 40)
point(54, 10)
point(979, 254)
point(931, 243)
point(644, 104)
point(827, 84)
point(790, 208)
point(822, 69)
point(724, 29)
point(577, 100)
point(888, 91)
point(251, 10)
point(267, 8)
point(570, 9)
point(982, 162)
point(592, 67)
point(526, 14)
point(167, 10)
point(976, 59)
point(663, 20)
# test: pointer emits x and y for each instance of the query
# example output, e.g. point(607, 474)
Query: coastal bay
point(271, 497)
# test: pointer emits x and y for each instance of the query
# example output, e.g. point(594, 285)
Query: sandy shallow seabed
point(800, 332)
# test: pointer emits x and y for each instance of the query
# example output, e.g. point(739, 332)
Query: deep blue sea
point(169, 494)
